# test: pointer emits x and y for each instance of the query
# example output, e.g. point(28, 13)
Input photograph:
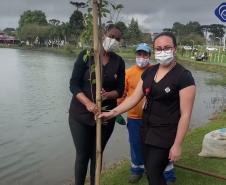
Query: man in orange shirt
point(134, 115)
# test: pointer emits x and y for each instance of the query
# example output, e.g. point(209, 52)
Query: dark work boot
point(134, 178)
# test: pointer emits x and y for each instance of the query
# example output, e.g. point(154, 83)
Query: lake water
point(36, 147)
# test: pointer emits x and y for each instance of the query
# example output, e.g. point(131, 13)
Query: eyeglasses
point(167, 49)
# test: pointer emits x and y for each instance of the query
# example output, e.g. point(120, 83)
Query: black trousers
point(155, 162)
point(84, 137)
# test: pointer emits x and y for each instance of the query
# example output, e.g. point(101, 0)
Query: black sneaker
point(134, 178)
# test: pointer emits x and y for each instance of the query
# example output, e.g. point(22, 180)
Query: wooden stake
point(98, 65)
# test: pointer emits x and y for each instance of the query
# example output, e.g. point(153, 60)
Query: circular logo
point(167, 89)
point(220, 12)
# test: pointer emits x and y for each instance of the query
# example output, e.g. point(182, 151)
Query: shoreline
point(128, 54)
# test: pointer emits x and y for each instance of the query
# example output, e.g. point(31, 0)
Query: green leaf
point(92, 69)
point(93, 81)
point(109, 22)
point(85, 58)
point(104, 10)
point(105, 2)
point(104, 108)
point(119, 6)
point(113, 6)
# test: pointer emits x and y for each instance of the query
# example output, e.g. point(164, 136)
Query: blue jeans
point(137, 159)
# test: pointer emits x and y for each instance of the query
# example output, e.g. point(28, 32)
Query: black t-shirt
point(162, 110)
point(83, 80)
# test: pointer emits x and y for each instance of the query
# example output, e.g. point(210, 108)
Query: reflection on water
point(35, 141)
point(209, 99)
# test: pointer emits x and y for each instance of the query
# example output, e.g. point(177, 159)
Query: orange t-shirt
point(133, 76)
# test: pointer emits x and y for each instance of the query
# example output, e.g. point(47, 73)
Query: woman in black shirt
point(169, 89)
point(83, 106)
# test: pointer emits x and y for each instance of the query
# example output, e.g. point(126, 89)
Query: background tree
point(77, 20)
point(32, 17)
point(179, 30)
point(31, 20)
point(10, 31)
point(114, 11)
point(122, 27)
point(187, 32)
point(30, 32)
point(54, 22)
point(77, 24)
point(146, 37)
point(167, 29)
point(217, 31)
point(134, 32)
point(79, 4)
point(66, 31)
point(205, 29)
point(124, 31)
point(193, 27)
point(192, 38)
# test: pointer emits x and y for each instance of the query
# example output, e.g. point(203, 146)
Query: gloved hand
point(120, 120)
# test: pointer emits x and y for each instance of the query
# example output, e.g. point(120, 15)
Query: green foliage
point(167, 29)
point(108, 10)
point(114, 12)
point(196, 38)
point(146, 37)
point(31, 31)
point(123, 29)
point(86, 36)
point(217, 31)
point(54, 22)
point(134, 33)
point(77, 22)
point(185, 33)
point(9, 31)
point(79, 4)
point(193, 27)
point(194, 31)
point(66, 31)
point(89, 53)
point(69, 48)
point(32, 17)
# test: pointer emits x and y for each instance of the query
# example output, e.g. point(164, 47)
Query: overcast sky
point(152, 15)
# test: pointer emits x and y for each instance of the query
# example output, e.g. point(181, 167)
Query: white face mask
point(110, 44)
point(164, 58)
point(142, 62)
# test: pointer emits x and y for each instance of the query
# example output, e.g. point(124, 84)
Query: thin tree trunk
point(96, 44)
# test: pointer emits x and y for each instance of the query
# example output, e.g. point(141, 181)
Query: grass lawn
point(192, 146)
